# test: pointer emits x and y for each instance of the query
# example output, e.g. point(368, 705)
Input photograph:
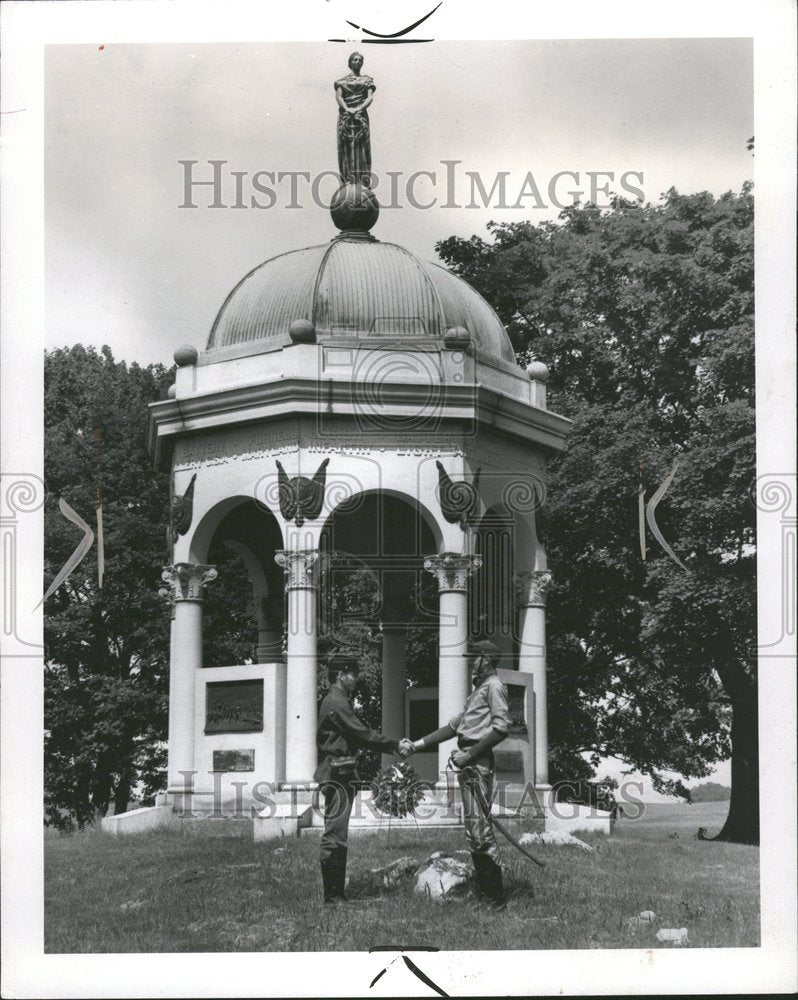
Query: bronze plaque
point(516, 696)
point(234, 760)
point(234, 706)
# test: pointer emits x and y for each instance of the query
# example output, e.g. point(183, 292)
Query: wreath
point(398, 789)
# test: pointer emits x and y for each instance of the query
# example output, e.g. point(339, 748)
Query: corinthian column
point(300, 583)
point(452, 572)
point(186, 582)
point(531, 587)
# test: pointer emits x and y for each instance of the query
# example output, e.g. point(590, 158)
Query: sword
point(471, 779)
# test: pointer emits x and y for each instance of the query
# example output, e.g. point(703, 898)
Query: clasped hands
point(406, 747)
point(459, 758)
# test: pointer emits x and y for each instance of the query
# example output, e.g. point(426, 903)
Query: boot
point(489, 881)
point(329, 878)
point(479, 877)
point(340, 873)
point(493, 886)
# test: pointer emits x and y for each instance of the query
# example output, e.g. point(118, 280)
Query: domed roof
point(356, 287)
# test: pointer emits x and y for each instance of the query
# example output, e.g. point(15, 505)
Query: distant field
point(176, 891)
point(677, 817)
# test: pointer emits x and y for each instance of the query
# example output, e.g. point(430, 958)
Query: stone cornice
point(295, 396)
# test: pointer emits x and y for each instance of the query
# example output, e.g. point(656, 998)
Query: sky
point(125, 265)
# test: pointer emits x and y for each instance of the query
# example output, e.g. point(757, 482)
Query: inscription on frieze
point(217, 448)
point(247, 445)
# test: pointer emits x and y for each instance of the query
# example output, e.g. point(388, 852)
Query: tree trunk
point(742, 822)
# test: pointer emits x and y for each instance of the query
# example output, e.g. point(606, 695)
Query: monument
point(351, 400)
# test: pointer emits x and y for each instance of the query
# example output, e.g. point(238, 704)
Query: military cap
point(484, 648)
point(343, 661)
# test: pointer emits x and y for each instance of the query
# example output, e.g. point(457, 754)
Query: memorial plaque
point(234, 706)
point(234, 760)
point(516, 696)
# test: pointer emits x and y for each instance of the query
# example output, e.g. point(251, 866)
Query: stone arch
point(208, 525)
point(357, 500)
point(388, 532)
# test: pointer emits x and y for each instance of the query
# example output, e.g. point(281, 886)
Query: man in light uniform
point(483, 723)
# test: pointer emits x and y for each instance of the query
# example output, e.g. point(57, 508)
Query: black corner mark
point(409, 963)
point(420, 975)
point(403, 947)
point(398, 34)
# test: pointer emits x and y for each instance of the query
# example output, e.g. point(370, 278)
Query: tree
point(644, 315)
point(710, 791)
point(105, 681)
point(106, 649)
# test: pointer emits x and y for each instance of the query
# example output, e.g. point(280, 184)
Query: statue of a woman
point(354, 93)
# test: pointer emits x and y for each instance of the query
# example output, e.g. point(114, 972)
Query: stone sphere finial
point(457, 336)
point(171, 392)
point(186, 355)
point(354, 208)
point(537, 371)
point(302, 331)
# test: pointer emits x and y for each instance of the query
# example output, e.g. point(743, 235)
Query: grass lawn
point(171, 891)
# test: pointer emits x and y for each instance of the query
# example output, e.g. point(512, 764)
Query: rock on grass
point(443, 877)
point(557, 838)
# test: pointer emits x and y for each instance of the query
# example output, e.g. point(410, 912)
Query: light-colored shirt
point(485, 709)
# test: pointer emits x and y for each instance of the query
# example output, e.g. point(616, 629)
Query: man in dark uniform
point(339, 735)
point(484, 722)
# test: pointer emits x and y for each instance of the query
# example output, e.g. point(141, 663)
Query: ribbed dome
point(355, 287)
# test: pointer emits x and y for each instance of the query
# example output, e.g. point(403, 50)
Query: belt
point(463, 743)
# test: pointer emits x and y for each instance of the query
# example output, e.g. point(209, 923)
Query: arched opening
point(377, 600)
point(245, 610)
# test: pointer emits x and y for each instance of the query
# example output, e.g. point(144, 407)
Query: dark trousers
point(338, 800)
point(478, 830)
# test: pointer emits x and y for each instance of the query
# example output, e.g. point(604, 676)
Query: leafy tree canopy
point(106, 649)
point(644, 315)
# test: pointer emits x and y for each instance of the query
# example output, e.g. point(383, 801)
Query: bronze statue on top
point(354, 93)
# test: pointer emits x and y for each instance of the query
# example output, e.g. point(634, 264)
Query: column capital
point(300, 567)
point(531, 587)
point(452, 570)
point(188, 579)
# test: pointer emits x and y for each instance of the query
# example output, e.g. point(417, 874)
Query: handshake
point(406, 747)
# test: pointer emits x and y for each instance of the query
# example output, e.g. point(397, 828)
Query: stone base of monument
point(296, 811)
point(140, 820)
point(440, 809)
point(434, 812)
point(290, 814)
